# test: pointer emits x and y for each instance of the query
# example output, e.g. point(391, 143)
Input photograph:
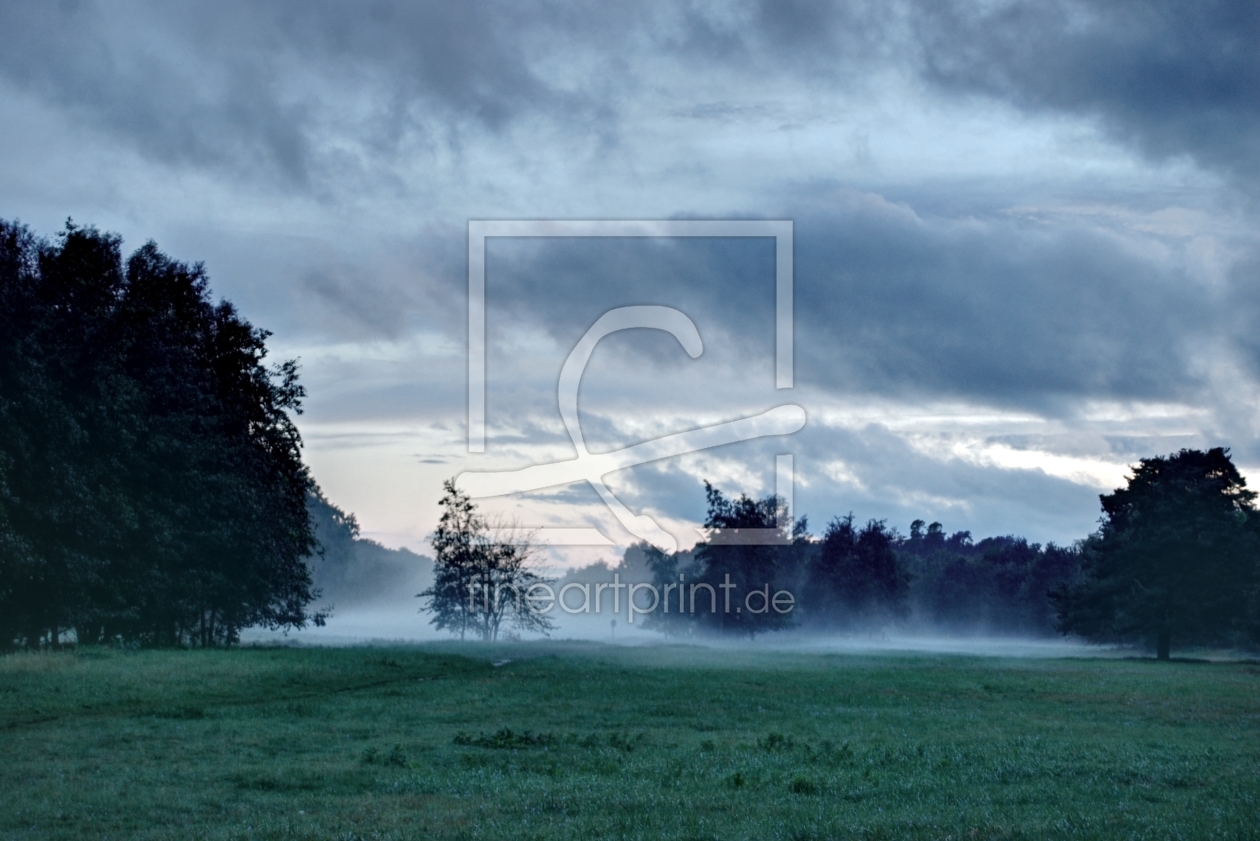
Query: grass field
point(590, 741)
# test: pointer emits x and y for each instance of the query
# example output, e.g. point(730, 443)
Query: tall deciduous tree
point(483, 573)
point(1175, 558)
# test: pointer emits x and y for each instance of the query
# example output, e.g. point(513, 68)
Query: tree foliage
point(1174, 559)
point(151, 481)
point(857, 578)
point(725, 560)
point(998, 584)
point(482, 574)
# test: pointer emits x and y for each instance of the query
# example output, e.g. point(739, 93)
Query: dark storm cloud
point(566, 284)
point(999, 309)
point(361, 303)
point(244, 84)
point(1243, 306)
point(1168, 77)
point(987, 307)
point(191, 93)
point(255, 87)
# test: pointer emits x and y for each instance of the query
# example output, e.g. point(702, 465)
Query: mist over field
point(394, 623)
point(373, 592)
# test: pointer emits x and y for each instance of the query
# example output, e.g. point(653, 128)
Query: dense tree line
point(1176, 559)
point(855, 577)
point(851, 578)
point(997, 584)
point(151, 483)
point(726, 567)
point(862, 577)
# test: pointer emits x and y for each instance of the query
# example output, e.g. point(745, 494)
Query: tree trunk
point(1163, 644)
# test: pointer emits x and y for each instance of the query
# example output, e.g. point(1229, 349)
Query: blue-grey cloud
point(257, 86)
point(896, 483)
point(246, 86)
point(916, 277)
point(1169, 78)
point(995, 309)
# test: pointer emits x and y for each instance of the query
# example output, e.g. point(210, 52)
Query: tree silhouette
point(733, 568)
point(482, 573)
point(1175, 558)
point(856, 577)
point(151, 481)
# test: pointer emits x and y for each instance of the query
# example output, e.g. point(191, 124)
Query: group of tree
point(849, 579)
point(151, 483)
point(1176, 560)
point(998, 584)
point(751, 544)
point(866, 578)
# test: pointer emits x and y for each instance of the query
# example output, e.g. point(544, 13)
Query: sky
point(1025, 237)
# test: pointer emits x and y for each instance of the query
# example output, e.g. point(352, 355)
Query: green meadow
point(570, 740)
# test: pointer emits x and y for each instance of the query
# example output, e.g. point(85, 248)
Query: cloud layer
point(1025, 233)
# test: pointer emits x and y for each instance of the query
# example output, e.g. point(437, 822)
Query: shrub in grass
point(396, 758)
point(505, 739)
point(181, 713)
point(829, 753)
point(623, 742)
point(775, 742)
point(802, 785)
